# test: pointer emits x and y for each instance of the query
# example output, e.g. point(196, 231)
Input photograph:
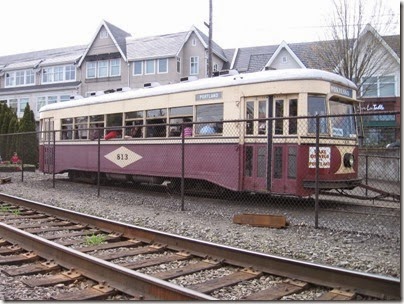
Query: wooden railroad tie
point(261, 220)
point(4, 180)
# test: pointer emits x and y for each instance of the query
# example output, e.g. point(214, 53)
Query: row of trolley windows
point(147, 123)
point(258, 109)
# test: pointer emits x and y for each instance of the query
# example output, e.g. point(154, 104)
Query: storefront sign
point(341, 90)
point(324, 157)
point(207, 96)
point(375, 107)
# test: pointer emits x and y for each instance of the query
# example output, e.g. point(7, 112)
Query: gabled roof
point(246, 59)
point(36, 55)
point(161, 46)
point(394, 42)
point(370, 29)
point(306, 52)
point(285, 46)
point(117, 35)
point(169, 45)
point(31, 59)
point(216, 49)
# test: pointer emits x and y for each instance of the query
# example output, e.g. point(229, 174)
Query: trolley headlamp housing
point(349, 160)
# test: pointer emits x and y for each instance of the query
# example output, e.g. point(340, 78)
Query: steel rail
point(136, 284)
point(373, 285)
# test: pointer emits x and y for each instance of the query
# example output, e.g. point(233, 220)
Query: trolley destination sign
point(207, 96)
point(341, 90)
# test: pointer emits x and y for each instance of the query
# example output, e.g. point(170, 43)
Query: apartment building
point(112, 61)
point(115, 61)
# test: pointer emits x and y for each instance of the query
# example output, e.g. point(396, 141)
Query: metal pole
point(22, 162)
point(182, 167)
point(366, 174)
point(210, 26)
point(99, 163)
point(54, 158)
point(317, 169)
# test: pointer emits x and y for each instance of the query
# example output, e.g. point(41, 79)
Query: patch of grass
point(95, 239)
point(4, 208)
point(16, 211)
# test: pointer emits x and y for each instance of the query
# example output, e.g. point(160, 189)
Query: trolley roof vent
point(151, 84)
point(109, 91)
point(75, 97)
point(189, 78)
point(124, 89)
point(225, 73)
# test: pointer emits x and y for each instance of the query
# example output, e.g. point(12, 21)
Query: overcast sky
point(30, 25)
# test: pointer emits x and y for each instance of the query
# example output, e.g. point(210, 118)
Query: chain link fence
point(308, 169)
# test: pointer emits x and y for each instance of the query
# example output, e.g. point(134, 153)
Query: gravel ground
point(210, 221)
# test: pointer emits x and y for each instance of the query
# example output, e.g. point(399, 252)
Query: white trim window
point(194, 65)
point(103, 34)
point(162, 65)
point(22, 103)
point(178, 64)
point(19, 78)
point(115, 67)
point(215, 67)
point(379, 86)
point(58, 74)
point(62, 73)
point(91, 68)
point(18, 105)
point(137, 68)
point(150, 67)
point(70, 73)
point(102, 70)
point(40, 102)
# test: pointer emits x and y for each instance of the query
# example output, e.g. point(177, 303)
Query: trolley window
point(342, 126)
point(133, 123)
point(115, 120)
point(262, 113)
point(157, 120)
point(96, 126)
point(212, 114)
point(67, 128)
point(47, 127)
point(293, 113)
point(81, 127)
point(292, 162)
point(317, 106)
point(261, 162)
point(256, 109)
point(250, 115)
point(278, 114)
point(178, 116)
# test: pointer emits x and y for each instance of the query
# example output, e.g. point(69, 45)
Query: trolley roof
point(208, 83)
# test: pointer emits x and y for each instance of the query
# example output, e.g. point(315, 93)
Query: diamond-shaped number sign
point(123, 157)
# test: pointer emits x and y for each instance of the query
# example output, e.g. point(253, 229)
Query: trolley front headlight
point(349, 160)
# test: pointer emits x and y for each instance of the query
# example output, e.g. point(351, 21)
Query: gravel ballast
point(210, 221)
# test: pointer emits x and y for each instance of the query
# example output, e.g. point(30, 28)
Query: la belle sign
point(375, 107)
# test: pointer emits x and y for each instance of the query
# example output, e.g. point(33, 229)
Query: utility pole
point(210, 26)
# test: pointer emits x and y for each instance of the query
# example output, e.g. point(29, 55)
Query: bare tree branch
point(355, 48)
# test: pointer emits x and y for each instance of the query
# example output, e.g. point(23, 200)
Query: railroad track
point(138, 263)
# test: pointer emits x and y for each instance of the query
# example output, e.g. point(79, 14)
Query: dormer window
point(103, 34)
point(284, 59)
point(194, 42)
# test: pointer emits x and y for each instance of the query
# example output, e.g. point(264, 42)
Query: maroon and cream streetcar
point(235, 120)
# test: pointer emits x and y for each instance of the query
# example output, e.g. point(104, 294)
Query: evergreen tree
point(12, 139)
point(29, 141)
